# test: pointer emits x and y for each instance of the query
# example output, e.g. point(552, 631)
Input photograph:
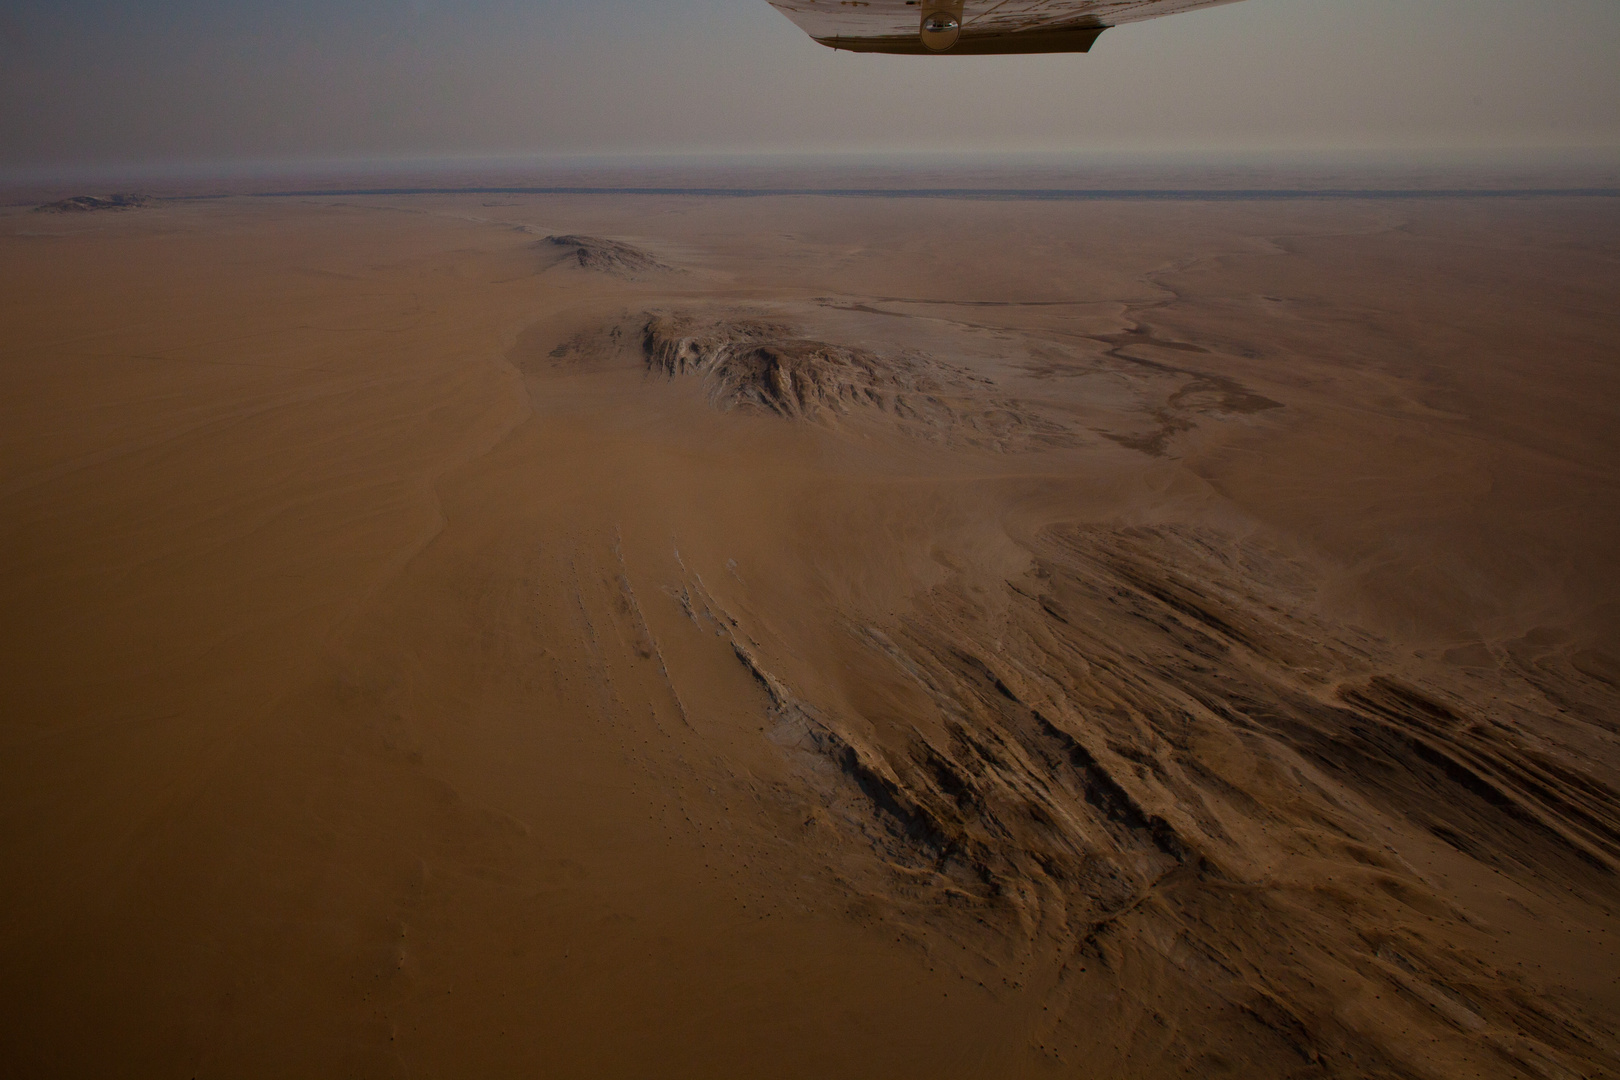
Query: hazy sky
point(99, 81)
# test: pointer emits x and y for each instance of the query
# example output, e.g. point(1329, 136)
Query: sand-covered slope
point(1162, 639)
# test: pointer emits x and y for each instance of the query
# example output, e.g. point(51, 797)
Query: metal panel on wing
point(973, 27)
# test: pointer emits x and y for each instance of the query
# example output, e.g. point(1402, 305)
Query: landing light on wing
point(940, 29)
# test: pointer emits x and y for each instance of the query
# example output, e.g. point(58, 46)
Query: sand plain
point(811, 637)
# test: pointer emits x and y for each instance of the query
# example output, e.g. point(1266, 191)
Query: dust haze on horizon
point(87, 83)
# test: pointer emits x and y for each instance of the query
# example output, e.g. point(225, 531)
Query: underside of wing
point(973, 27)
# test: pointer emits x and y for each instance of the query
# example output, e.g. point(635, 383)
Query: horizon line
point(990, 193)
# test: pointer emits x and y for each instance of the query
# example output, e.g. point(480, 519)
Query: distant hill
point(80, 204)
point(610, 256)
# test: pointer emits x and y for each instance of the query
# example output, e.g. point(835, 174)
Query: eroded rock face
point(774, 368)
point(768, 366)
point(80, 204)
point(610, 256)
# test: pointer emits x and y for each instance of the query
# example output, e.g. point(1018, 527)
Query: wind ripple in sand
point(1145, 757)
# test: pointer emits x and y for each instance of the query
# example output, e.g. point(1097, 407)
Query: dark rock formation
point(80, 204)
point(765, 366)
point(610, 256)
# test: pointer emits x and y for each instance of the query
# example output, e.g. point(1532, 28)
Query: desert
point(811, 635)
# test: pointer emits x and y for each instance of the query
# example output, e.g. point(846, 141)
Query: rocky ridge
point(771, 367)
point(80, 204)
point(609, 256)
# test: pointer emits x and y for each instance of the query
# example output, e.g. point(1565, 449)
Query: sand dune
point(879, 636)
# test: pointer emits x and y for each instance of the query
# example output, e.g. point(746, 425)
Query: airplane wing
point(977, 27)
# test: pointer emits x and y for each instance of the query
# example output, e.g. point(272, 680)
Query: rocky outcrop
point(610, 256)
point(770, 367)
point(80, 204)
